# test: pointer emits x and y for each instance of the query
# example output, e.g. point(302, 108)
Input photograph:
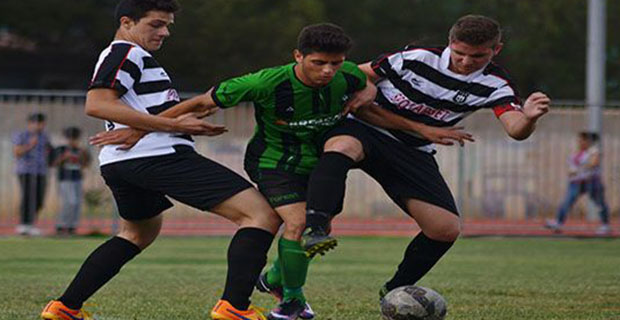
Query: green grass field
point(181, 278)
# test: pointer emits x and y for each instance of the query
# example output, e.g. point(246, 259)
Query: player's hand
point(191, 123)
point(536, 105)
point(206, 105)
point(360, 98)
point(126, 138)
point(446, 135)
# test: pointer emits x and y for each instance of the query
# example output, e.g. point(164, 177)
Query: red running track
point(216, 226)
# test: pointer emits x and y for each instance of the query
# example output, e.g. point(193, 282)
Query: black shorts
point(403, 171)
point(280, 187)
point(140, 186)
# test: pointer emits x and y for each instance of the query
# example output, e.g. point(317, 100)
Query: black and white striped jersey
point(417, 84)
point(143, 85)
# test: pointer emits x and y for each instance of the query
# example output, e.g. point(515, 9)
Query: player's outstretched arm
point(521, 124)
point(184, 117)
point(380, 117)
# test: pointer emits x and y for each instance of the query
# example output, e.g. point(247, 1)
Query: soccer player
point(435, 87)
point(129, 88)
point(295, 105)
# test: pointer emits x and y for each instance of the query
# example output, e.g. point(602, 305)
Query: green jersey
point(291, 117)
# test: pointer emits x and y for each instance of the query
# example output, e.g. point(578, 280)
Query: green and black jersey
point(290, 116)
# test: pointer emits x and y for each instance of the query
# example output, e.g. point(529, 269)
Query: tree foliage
point(545, 41)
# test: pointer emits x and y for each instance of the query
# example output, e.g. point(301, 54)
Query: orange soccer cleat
point(223, 310)
point(56, 310)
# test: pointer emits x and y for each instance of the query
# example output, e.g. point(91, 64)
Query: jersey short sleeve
point(231, 92)
point(354, 76)
point(503, 100)
point(388, 63)
point(118, 68)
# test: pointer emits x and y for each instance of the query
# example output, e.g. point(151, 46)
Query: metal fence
point(493, 178)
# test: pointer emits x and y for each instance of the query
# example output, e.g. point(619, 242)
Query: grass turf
point(182, 278)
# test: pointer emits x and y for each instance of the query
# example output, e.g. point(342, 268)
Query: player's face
point(466, 59)
point(150, 31)
point(317, 69)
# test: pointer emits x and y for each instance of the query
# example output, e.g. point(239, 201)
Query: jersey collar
point(445, 63)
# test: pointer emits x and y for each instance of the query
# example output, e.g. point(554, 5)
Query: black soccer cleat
point(275, 290)
point(263, 286)
point(315, 240)
point(287, 310)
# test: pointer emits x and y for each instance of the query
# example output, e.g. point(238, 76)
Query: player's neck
point(302, 77)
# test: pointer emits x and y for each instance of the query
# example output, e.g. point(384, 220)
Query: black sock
point(421, 255)
point(327, 183)
point(247, 255)
point(315, 219)
point(101, 266)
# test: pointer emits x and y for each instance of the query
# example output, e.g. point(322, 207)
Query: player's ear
point(298, 56)
point(126, 22)
point(498, 48)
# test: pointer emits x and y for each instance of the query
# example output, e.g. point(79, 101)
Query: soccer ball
point(413, 303)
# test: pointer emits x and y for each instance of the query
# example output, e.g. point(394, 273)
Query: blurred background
point(48, 50)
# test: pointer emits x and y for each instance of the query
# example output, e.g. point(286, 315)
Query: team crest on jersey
point(460, 97)
point(172, 95)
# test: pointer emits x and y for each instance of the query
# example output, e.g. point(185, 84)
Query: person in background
point(584, 176)
point(70, 159)
point(31, 148)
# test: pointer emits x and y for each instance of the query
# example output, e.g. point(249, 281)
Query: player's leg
point(293, 265)
point(326, 187)
point(247, 251)
point(411, 178)
point(102, 265)
point(286, 192)
point(141, 222)
point(439, 230)
point(204, 184)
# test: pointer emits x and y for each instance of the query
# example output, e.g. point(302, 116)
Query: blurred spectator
point(31, 148)
point(70, 158)
point(584, 176)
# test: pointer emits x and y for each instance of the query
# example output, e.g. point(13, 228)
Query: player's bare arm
point(371, 74)
point(186, 112)
point(520, 124)
point(378, 116)
point(361, 98)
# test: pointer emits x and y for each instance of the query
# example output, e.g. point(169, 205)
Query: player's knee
point(448, 231)
point(293, 228)
point(141, 239)
point(347, 145)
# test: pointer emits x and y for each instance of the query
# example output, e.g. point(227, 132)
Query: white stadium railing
point(493, 178)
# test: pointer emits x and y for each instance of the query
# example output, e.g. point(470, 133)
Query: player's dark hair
point(323, 37)
point(476, 30)
point(36, 117)
point(137, 9)
point(72, 133)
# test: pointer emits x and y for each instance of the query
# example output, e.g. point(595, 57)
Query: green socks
point(290, 269)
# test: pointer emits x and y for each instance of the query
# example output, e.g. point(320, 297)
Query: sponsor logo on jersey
point(327, 121)
point(172, 95)
point(460, 97)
